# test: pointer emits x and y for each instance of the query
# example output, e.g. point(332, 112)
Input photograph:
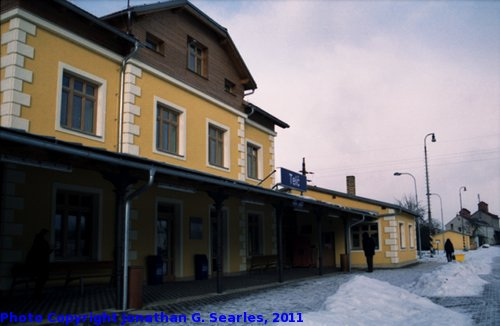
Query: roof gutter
point(79, 11)
point(127, 162)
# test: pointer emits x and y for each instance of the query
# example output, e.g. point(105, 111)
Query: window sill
point(253, 179)
point(155, 51)
point(167, 154)
point(197, 74)
point(217, 167)
point(80, 134)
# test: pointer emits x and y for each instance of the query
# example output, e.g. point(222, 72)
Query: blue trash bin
point(200, 267)
point(155, 269)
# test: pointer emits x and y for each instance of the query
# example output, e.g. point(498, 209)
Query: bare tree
point(409, 202)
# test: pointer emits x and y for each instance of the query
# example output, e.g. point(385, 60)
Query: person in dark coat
point(448, 247)
point(369, 249)
point(37, 260)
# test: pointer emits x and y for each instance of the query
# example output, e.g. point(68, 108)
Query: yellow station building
point(128, 137)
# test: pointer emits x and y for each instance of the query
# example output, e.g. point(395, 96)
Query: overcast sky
point(361, 83)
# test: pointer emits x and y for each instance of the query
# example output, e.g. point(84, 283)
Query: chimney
point(482, 206)
point(464, 212)
point(351, 185)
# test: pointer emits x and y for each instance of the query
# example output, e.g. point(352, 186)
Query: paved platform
point(484, 309)
point(165, 296)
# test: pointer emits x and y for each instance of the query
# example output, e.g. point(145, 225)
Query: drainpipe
point(349, 239)
point(128, 200)
point(122, 87)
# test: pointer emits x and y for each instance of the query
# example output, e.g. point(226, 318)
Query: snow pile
point(366, 301)
point(457, 279)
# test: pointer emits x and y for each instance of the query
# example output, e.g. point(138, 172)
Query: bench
point(64, 271)
point(262, 262)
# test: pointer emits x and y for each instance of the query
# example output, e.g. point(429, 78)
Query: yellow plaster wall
point(194, 205)
point(197, 112)
point(49, 51)
point(38, 196)
point(257, 135)
point(456, 239)
point(358, 259)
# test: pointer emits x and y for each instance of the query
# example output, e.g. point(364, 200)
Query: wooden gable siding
point(174, 28)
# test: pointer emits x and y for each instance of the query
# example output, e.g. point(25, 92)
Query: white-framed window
point(255, 235)
point(371, 228)
point(254, 160)
point(402, 236)
point(169, 134)
point(81, 103)
point(75, 222)
point(197, 57)
point(411, 234)
point(154, 43)
point(218, 145)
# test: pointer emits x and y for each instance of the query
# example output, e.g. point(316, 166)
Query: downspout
point(349, 239)
point(122, 90)
point(128, 200)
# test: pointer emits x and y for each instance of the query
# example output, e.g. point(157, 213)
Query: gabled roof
point(202, 17)
point(486, 213)
point(70, 17)
point(361, 199)
point(255, 109)
point(94, 20)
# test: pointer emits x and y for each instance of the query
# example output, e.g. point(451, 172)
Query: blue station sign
point(293, 180)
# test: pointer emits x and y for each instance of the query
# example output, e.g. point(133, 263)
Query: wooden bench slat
point(68, 271)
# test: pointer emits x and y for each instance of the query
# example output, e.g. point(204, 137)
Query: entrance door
point(329, 249)
point(165, 226)
point(213, 240)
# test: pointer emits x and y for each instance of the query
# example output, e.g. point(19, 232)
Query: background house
point(482, 226)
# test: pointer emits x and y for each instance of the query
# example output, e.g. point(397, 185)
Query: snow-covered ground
point(457, 279)
point(366, 301)
point(385, 297)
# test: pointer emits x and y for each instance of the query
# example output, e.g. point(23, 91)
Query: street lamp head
point(433, 139)
point(397, 174)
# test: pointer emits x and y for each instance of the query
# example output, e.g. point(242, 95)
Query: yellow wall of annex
point(456, 238)
point(358, 259)
point(51, 50)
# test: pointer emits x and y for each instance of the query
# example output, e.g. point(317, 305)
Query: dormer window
point(229, 86)
point(154, 43)
point(197, 57)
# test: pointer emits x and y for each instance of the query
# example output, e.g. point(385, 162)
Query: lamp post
point(460, 213)
point(442, 221)
point(397, 174)
point(428, 193)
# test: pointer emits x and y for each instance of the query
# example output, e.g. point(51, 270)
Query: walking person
point(369, 249)
point(448, 247)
